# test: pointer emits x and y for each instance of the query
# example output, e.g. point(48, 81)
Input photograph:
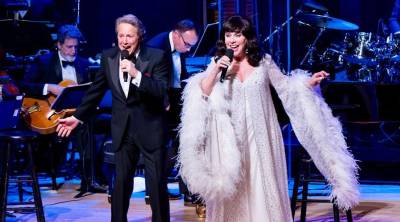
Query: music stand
point(9, 112)
point(70, 97)
point(4, 80)
point(207, 40)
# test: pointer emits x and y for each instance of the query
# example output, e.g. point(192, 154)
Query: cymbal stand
point(312, 48)
point(278, 29)
point(78, 12)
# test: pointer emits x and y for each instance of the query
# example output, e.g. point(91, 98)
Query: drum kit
point(365, 56)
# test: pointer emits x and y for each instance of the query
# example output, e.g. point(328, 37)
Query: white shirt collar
point(171, 42)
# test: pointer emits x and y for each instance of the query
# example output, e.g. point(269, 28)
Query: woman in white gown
point(231, 148)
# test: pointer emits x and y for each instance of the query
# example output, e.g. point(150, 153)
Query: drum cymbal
point(315, 5)
point(324, 21)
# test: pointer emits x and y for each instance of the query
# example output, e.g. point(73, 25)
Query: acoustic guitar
point(39, 116)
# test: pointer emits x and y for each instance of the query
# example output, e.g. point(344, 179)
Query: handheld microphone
point(229, 53)
point(125, 55)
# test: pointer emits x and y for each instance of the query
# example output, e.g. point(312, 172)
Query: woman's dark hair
point(241, 25)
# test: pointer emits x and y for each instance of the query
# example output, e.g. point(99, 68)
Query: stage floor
point(379, 203)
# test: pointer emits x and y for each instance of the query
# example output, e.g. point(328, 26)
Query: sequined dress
point(238, 163)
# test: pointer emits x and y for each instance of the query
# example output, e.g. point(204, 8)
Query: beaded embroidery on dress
point(240, 145)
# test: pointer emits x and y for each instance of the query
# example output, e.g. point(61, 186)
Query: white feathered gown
point(232, 151)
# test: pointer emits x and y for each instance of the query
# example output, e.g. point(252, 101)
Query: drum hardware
point(311, 49)
point(331, 55)
point(315, 5)
point(268, 41)
point(278, 29)
point(370, 58)
point(308, 3)
point(327, 22)
point(364, 74)
point(323, 22)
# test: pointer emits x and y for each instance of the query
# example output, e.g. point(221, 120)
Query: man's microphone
point(125, 55)
point(229, 53)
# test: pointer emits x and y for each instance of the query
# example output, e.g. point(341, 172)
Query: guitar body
point(37, 113)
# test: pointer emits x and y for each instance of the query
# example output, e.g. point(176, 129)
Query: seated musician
point(42, 79)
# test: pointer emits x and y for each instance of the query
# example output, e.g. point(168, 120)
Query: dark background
point(97, 18)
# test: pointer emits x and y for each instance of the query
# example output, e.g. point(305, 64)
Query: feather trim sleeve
point(320, 133)
point(208, 156)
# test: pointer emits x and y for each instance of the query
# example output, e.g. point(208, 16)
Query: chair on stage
point(305, 174)
point(12, 141)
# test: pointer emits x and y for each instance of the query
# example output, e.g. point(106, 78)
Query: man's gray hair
point(134, 21)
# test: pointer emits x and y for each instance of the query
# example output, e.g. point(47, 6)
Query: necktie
point(67, 63)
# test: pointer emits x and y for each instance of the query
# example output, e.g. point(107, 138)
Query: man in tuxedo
point(138, 83)
point(48, 70)
point(42, 78)
point(176, 43)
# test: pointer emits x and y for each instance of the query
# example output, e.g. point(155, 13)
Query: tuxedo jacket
point(47, 69)
point(141, 113)
point(161, 41)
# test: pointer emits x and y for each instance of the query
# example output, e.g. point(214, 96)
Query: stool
point(8, 138)
point(303, 176)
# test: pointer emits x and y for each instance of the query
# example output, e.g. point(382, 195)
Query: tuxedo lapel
point(142, 61)
point(184, 74)
point(57, 66)
point(113, 62)
point(79, 71)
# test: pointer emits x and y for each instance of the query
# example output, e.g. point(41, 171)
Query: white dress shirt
point(175, 81)
point(135, 81)
point(68, 72)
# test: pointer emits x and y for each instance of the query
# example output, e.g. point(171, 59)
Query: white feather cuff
point(208, 156)
point(321, 135)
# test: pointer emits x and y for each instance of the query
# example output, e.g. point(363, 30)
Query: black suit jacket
point(142, 113)
point(47, 69)
point(161, 41)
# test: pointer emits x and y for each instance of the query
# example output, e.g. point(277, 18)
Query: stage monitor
point(207, 41)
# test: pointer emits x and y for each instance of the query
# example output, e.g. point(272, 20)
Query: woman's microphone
point(229, 53)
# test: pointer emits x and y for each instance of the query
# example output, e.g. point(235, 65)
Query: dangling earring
point(246, 51)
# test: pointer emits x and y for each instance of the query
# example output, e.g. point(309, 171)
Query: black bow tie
point(67, 63)
point(132, 57)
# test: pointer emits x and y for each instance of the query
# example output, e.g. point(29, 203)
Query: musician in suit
point(176, 43)
point(42, 78)
point(138, 84)
point(50, 69)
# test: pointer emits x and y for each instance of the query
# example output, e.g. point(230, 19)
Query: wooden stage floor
point(380, 203)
